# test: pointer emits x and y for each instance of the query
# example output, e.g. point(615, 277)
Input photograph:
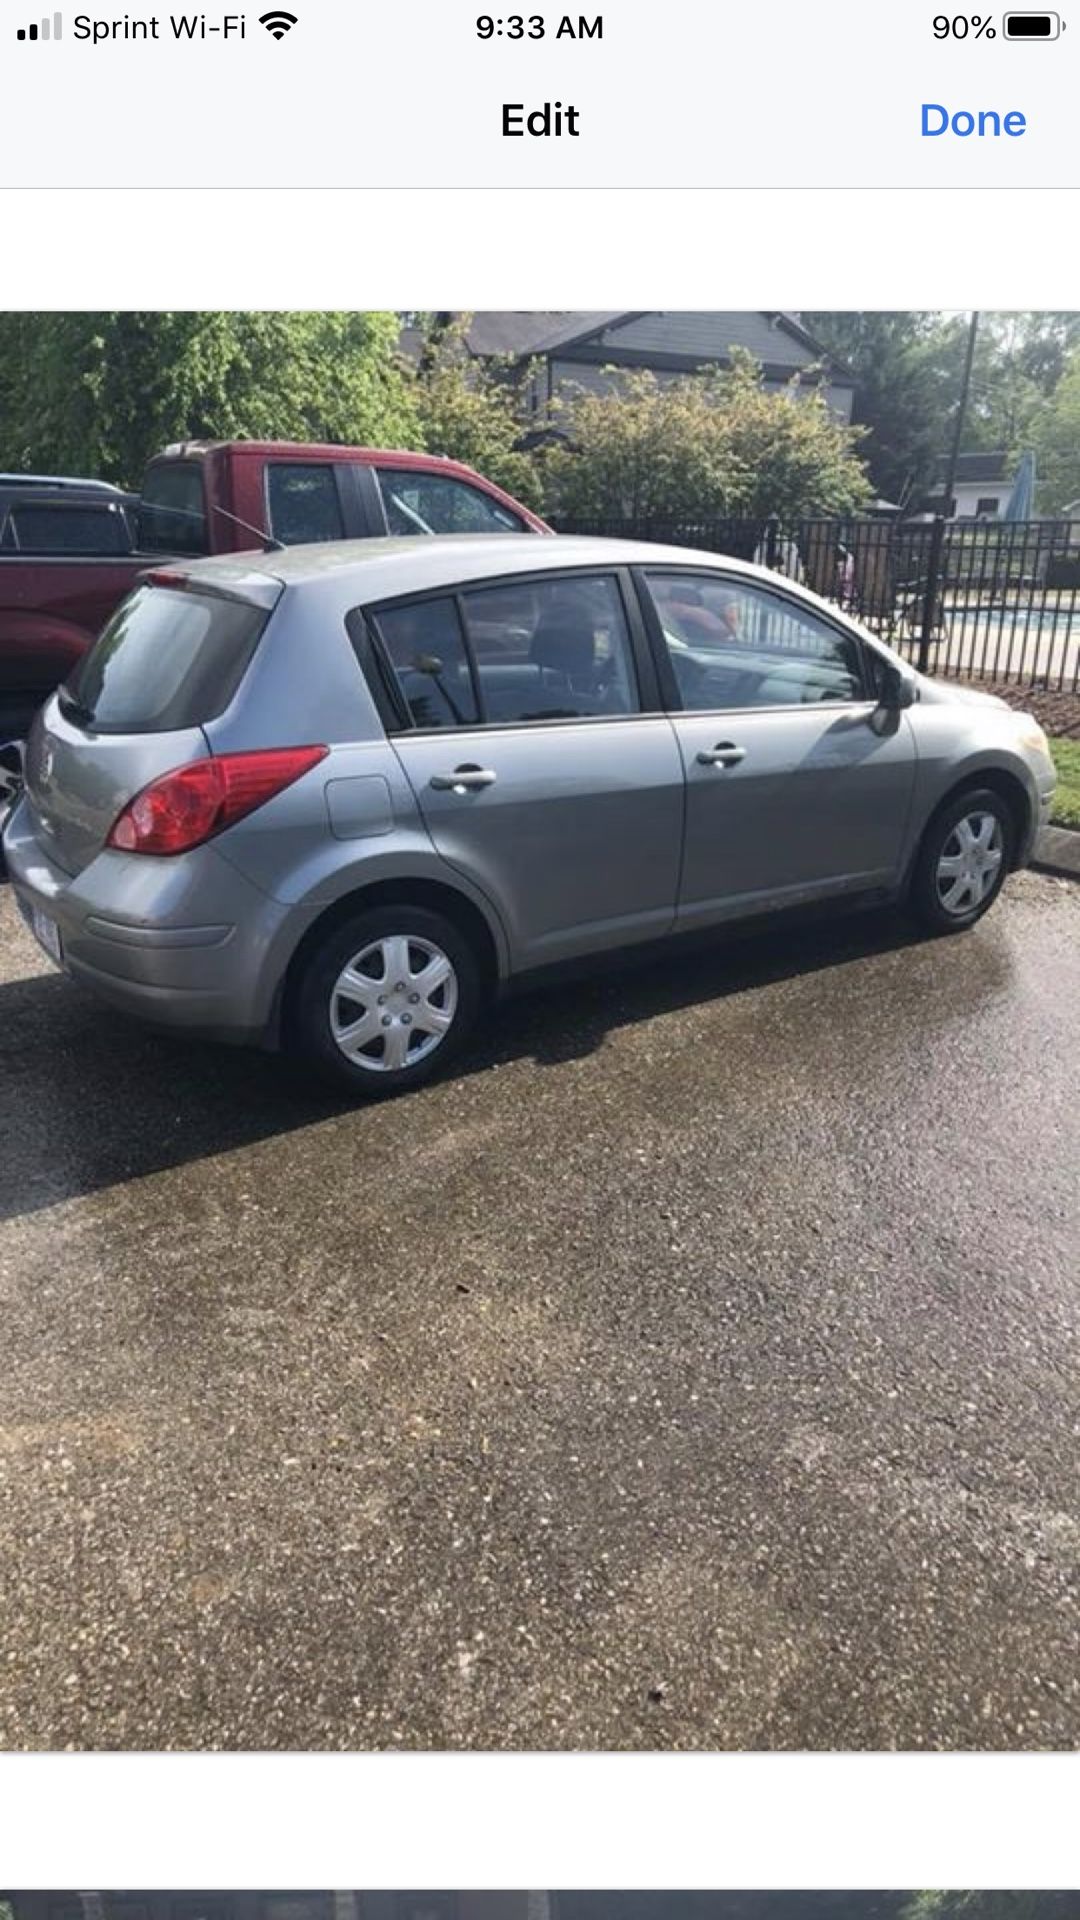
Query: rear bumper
point(184, 943)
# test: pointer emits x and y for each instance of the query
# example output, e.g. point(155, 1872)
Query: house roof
point(525, 334)
point(971, 468)
point(521, 336)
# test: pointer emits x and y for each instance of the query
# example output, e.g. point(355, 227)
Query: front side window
point(734, 645)
point(172, 518)
point(418, 502)
point(302, 498)
point(551, 650)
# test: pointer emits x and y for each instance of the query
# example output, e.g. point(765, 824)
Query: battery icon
point(1032, 26)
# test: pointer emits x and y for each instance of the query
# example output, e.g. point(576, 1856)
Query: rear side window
point(514, 653)
point(172, 518)
point(303, 503)
point(425, 648)
point(166, 660)
point(418, 502)
point(551, 650)
point(57, 529)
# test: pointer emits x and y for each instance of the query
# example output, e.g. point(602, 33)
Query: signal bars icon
point(50, 29)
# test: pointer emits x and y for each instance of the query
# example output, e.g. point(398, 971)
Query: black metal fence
point(976, 600)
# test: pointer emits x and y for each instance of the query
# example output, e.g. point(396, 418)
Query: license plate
point(47, 934)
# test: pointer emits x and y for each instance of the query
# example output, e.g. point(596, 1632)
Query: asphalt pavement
point(696, 1367)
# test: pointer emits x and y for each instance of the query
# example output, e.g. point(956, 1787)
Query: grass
point(1066, 808)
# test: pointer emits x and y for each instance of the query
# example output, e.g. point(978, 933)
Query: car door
point(797, 784)
point(530, 732)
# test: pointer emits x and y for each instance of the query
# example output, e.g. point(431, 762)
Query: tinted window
point(426, 651)
point(49, 529)
point(435, 503)
point(734, 645)
point(304, 504)
point(166, 659)
point(551, 649)
point(173, 514)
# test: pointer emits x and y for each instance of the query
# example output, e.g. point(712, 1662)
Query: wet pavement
point(697, 1368)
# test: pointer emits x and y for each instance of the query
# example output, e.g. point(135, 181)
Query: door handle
point(463, 780)
point(726, 754)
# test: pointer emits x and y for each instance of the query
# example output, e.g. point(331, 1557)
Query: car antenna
point(269, 543)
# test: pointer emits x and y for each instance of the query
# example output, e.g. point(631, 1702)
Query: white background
point(559, 1821)
point(453, 249)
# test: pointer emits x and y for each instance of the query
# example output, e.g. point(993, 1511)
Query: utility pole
point(937, 557)
point(961, 413)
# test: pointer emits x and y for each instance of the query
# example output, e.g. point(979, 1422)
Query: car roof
point(49, 482)
point(61, 497)
point(373, 570)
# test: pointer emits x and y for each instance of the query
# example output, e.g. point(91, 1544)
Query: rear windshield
point(172, 517)
point(167, 659)
point(63, 529)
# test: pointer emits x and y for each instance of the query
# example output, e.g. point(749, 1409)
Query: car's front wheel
point(387, 1000)
point(963, 861)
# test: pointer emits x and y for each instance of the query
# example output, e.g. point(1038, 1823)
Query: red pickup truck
point(224, 497)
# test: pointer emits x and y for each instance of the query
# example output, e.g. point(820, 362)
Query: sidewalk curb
point(1057, 850)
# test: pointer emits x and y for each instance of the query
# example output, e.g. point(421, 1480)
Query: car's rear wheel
point(387, 1000)
point(963, 861)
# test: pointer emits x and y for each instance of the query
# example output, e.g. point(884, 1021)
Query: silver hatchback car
point(335, 798)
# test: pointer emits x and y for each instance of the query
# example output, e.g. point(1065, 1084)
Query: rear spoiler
point(234, 583)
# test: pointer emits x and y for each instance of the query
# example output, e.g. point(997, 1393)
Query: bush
point(715, 446)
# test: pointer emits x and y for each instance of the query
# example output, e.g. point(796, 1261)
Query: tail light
point(183, 808)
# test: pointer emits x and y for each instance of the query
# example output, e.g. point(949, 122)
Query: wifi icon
point(277, 22)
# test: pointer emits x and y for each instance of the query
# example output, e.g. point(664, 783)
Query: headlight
point(1034, 738)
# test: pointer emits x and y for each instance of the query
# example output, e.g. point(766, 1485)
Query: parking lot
point(697, 1367)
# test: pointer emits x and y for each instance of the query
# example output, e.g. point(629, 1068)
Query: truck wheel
point(962, 862)
point(387, 1000)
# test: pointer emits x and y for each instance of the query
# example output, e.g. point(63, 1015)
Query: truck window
point(418, 502)
point(303, 502)
point(172, 518)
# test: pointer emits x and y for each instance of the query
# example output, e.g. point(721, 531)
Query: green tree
point(470, 410)
point(907, 377)
point(907, 369)
point(699, 448)
point(98, 393)
point(953, 1905)
point(1055, 439)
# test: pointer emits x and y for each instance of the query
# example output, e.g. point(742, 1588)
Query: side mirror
point(898, 689)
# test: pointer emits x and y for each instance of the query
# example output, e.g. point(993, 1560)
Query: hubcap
point(394, 1003)
point(970, 862)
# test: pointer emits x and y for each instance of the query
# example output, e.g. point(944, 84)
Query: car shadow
point(91, 1099)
